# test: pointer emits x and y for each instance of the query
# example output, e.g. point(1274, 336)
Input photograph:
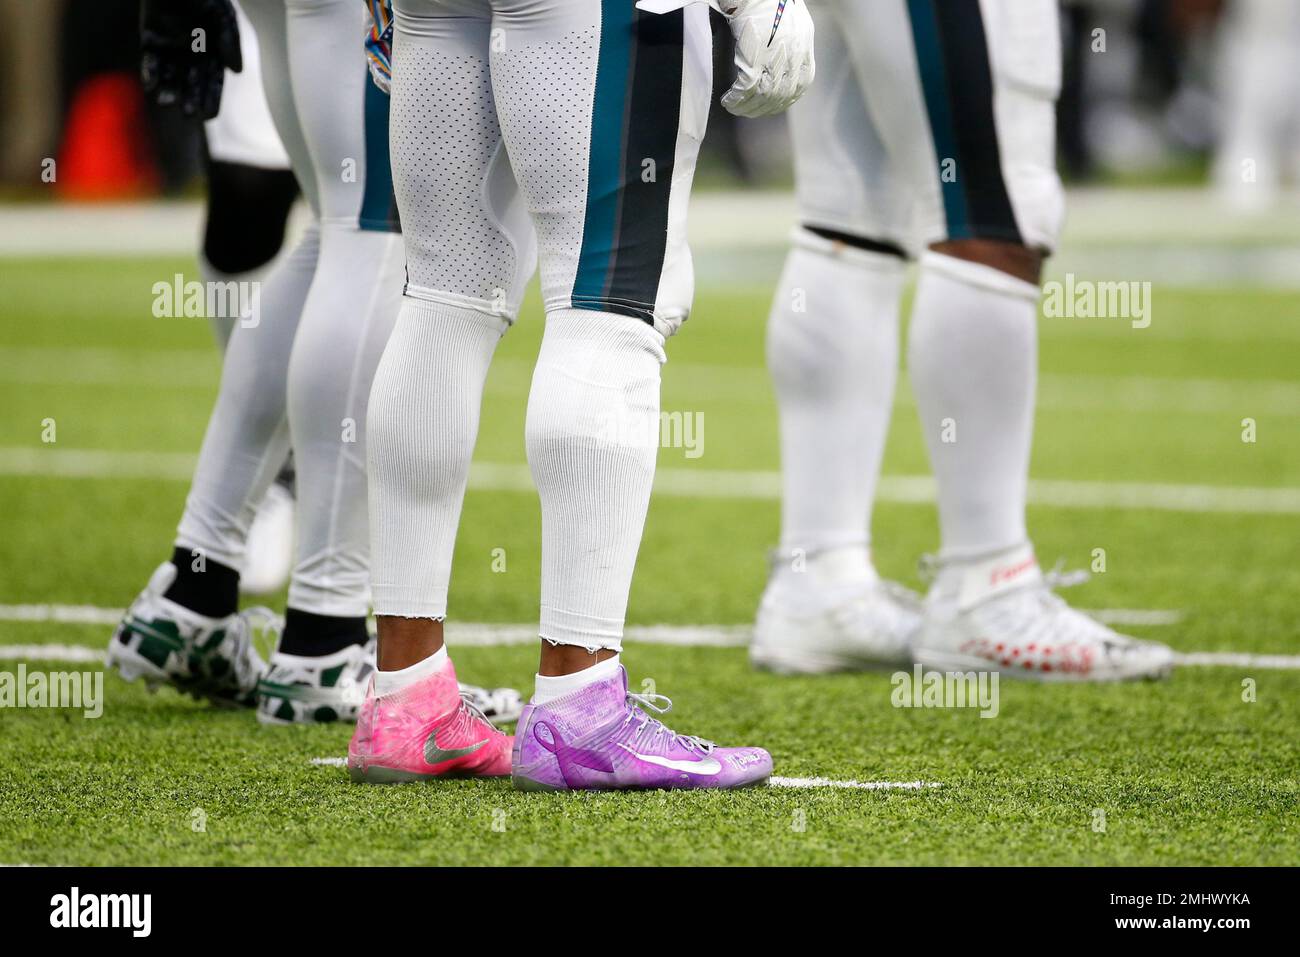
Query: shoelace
point(1069, 619)
point(468, 704)
point(927, 567)
point(1045, 617)
point(1055, 619)
point(651, 702)
point(247, 659)
point(271, 624)
point(902, 594)
point(906, 604)
point(466, 716)
point(1058, 577)
point(493, 702)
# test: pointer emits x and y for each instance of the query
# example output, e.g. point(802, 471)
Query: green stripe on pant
point(635, 117)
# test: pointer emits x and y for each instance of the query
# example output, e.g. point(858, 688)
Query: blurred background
point(1177, 130)
point(1155, 92)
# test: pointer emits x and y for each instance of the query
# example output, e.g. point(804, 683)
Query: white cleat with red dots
point(998, 613)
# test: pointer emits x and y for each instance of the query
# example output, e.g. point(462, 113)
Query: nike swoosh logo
point(704, 766)
point(436, 755)
point(780, 9)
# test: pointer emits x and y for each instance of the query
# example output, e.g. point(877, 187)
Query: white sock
point(832, 348)
point(973, 362)
point(592, 436)
point(387, 682)
point(829, 573)
point(551, 687)
point(421, 428)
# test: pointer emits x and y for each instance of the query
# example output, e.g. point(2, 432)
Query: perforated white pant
point(598, 111)
point(585, 118)
point(932, 121)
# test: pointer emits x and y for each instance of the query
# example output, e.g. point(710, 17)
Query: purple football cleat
point(599, 738)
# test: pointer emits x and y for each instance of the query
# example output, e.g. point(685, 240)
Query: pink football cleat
point(425, 731)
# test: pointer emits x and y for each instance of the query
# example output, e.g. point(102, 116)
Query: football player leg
point(964, 97)
point(322, 663)
point(326, 654)
point(251, 190)
point(470, 251)
point(185, 628)
point(603, 108)
point(832, 348)
point(616, 280)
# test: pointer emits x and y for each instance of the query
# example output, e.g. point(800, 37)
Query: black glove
point(172, 69)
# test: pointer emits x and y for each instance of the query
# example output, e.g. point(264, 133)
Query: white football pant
point(300, 370)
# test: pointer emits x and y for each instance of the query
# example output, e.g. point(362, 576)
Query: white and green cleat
point(310, 690)
point(298, 689)
point(213, 659)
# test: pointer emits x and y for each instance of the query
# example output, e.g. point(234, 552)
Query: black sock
point(311, 636)
point(214, 591)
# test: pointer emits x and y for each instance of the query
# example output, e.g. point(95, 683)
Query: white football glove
point(774, 51)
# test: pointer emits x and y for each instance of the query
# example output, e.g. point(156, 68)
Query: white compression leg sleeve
point(592, 436)
point(832, 348)
point(973, 360)
point(424, 414)
point(470, 251)
point(346, 321)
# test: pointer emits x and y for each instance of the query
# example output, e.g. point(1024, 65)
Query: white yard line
point(780, 782)
point(775, 780)
point(1177, 237)
point(461, 633)
point(1234, 659)
point(489, 634)
point(51, 461)
point(715, 636)
point(1194, 659)
point(1125, 617)
point(80, 654)
point(199, 369)
point(482, 634)
point(64, 614)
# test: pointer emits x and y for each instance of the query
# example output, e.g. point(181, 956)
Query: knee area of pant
point(599, 339)
point(248, 209)
point(877, 253)
point(978, 276)
point(1019, 261)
